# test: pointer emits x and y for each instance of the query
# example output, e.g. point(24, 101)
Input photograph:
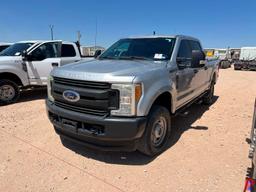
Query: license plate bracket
point(69, 125)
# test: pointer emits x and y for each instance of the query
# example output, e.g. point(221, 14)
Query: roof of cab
point(31, 41)
point(42, 41)
point(162, 36)
point(3, 43)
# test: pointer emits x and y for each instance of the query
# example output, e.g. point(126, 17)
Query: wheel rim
point(7, 92)
point(159, 131)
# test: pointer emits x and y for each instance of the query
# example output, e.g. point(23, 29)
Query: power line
point(79, 36)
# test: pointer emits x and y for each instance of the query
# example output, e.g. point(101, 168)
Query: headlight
point(49, 88)
point(130, 95)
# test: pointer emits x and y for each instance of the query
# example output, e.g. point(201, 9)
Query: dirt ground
point(208, 151)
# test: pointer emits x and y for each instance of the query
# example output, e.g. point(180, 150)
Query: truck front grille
point(96, 98)
point(82, 84)
point(81, 109)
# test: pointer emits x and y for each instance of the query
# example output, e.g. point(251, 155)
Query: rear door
point(69, 53)
point(42, 60)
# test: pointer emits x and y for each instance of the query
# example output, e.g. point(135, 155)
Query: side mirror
point(97, 53)
point(198, 59)
point(24, 55)
point(183, 62)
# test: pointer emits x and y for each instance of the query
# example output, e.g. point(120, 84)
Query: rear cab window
point(68, 50)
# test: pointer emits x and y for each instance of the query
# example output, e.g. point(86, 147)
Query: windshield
point(144, 48)
point(16, 49)
point(3, 47)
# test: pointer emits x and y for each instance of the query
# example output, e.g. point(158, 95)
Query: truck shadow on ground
point(32, 94)
point(180, 124)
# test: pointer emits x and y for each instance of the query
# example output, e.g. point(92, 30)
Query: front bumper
point(104, 133)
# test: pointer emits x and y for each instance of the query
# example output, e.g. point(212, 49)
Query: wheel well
point(165, 100)
point(12, 77)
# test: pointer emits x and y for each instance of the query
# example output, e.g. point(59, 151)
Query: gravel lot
point(208, 151)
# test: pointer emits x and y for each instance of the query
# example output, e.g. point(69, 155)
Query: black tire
point(148, 145)
point(225, 64)
point(208, 97)
point(14, 92)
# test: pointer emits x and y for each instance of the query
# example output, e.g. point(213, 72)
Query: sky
point(217, 23)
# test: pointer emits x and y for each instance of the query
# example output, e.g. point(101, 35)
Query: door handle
point(55, 64)
point(195, 70)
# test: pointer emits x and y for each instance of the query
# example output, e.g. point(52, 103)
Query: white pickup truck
point(28, 64)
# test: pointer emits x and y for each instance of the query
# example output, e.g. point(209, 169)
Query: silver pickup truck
point(125, 98)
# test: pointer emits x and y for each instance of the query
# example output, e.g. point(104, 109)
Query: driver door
point(200, 82)
point(185, 74)
point(42, 60)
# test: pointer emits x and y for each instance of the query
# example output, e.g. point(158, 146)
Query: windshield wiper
point(108, 57)
point(134, 57)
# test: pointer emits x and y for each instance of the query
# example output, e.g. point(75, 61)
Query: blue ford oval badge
point(71, 96)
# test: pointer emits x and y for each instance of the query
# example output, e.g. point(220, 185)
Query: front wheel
point(157, 132)
point(9, 92)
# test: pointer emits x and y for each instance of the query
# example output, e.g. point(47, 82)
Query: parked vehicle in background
point(4, 46)
point(235, 54)
point(28, 64)
point(209, 53)
point(226, 56)
point(124, 100)
point(247, 60)
point(89, 51)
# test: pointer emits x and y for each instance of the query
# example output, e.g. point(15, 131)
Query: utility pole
point(96, 33)
point(79, 36)
point(51, 29)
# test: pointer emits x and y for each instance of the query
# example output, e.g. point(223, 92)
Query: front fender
point(22, 75)
point(153, 87)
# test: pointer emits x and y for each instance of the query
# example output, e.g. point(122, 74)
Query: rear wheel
point(157, 132)
point(9, 92)
point(208, 98)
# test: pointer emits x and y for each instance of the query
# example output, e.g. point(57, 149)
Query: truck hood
point(108, 70)
point(10, 60)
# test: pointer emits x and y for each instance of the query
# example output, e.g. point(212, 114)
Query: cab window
point(184, 55)
point(45, 51)
point(67, 50)
point(185, 50)
point(195, 45)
